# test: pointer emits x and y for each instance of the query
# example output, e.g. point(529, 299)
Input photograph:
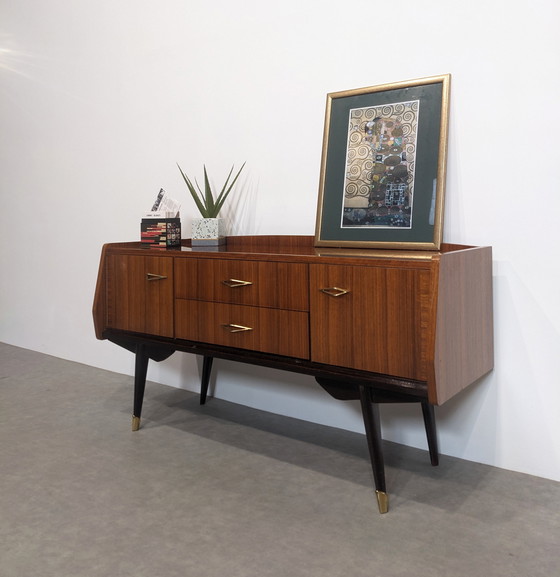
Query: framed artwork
point(382, 181)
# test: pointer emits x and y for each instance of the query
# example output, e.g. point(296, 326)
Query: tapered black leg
point(430, 425)
point(140, 372)
point(370, 413)
point(205, 381)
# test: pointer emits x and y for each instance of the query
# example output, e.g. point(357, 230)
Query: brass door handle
point(334, 291)
point(236, 328)
point(151, 276)
point(234, 282)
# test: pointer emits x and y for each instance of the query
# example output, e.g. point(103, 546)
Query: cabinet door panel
point(275, 331)
point(378, 325)
point(267, 284)
point(140, 294)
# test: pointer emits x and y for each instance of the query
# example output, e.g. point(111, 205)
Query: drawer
point(278, 285)
point(266, 330)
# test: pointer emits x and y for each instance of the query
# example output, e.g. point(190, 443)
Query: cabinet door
point(140, 294)
point(378, 325)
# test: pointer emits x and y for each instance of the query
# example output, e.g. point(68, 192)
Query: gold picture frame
point(383, 166)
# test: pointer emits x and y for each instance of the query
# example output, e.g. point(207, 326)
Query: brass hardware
point(382, 501)
point(334, 291)
point(151, 276)
point(135, 423)
point(236, 328)
point(234, 283)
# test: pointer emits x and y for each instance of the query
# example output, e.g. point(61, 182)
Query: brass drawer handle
point(151, 276)
point(236, 328)
point(334, 291)
point(234, 283)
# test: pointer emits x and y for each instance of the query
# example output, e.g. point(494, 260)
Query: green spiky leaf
point(208, 205)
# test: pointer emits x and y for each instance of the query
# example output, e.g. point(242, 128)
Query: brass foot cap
point(382, 501)
point(135, 423)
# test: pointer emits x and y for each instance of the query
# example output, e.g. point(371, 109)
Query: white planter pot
point(208, 231)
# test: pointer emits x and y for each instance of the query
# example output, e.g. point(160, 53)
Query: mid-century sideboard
point(375, 325)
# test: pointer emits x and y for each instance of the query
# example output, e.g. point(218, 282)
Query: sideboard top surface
point(296, 247)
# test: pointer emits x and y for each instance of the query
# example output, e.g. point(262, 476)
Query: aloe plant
point(207, 203)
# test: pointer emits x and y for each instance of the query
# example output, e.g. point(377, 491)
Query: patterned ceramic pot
point(208, 231)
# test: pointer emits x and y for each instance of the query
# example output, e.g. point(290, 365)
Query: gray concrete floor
point(224, 490)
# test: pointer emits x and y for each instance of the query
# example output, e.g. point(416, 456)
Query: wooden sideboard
point(375, 325)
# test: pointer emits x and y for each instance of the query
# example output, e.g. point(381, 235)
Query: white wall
point(99, 100)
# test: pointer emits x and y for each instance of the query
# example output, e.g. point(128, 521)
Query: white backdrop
point(99, 100)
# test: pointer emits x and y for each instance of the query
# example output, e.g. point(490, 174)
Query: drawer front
point(266, 330)
point(279, 285)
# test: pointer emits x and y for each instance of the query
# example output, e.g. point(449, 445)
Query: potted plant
point(209, 230)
